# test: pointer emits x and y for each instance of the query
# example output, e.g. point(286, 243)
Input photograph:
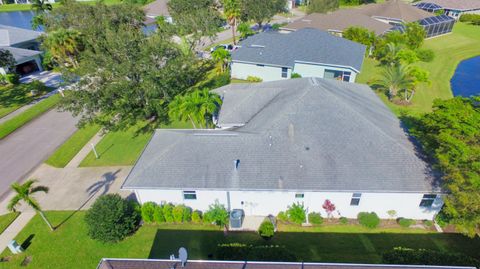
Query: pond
point(466, 80)
point(21, 19)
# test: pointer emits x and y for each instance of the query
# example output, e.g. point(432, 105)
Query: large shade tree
point(126, 77)
point(261, 11)
point(450, 134)
point(195, 19)
point(24, 193)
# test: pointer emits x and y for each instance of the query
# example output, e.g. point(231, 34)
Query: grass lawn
point(65, 153)
point(12, 97)
point(6, 220)
point(18, 121)
point(69, 247)
point(123, 148)
point(28, 7)
point(450, 50)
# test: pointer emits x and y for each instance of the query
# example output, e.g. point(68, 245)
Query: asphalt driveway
point(26, 148)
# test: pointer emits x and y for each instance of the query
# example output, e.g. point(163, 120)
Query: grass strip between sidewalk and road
point(7, 219)
point(66, 152)
point(36, 110)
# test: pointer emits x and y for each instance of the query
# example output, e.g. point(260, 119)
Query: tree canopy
point(195, 19)
point(6, 60)
point(322, 6)
point(126, 77)
point(261, 11)
point(450, 134)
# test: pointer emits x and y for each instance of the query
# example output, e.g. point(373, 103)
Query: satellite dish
point(183, 255)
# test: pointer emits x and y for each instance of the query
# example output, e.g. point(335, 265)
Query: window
point(338, 75)
point(189, 195)
point(299, 195)
point(427, 200)
point(355, 199)
point(346, 76)
point(284, 72)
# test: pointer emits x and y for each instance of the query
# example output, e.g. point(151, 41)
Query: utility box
point(14, 247)
point(236, 218)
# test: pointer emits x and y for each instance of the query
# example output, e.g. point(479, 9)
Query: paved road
point(25, 149)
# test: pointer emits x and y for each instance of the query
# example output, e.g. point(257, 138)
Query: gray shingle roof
point(10, 36)
point(157, 8)
point(305, 45)
point(395, 9)
point(300, 134)
point(19, 54)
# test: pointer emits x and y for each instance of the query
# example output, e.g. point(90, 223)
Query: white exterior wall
point(313, 70)
point(271, 202)
point(265, 72)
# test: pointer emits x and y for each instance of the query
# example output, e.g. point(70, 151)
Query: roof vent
point(237, 164)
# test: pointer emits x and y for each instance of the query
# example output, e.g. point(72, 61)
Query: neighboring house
point(452, 8)
point(308, 52)
point(300, 140)
point(23, 44)
point(379, 18)
point(212, 264)
point(156, 9)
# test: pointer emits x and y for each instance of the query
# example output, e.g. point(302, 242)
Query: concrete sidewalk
point(75, 162)
point(11, 232)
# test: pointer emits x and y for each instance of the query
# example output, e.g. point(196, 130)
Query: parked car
point(228, 47)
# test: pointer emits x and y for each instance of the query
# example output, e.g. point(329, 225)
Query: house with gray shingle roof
point(281, 142)
point(23, 44)
point(308, 52)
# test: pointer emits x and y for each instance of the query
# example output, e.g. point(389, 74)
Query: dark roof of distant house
point(305, 45)
point(169, 264)
point(339, 21)
point(10, 36)
point(157, 8)
point(305, 134)
point(19, 54)
point(456, 4)
point(395, 9)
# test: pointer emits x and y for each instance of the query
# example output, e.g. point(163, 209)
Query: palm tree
point(196, 107)
point(232, 11)
point(63, 44)
point(221, 56)
point(395, 78)
point(24, 193)
point(391, 51)
point(41, 6)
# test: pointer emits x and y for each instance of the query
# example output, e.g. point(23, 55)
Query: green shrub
point(295, 75)
point(158, 216)
point(187, 214)
point(315, 218)
point(471, 18)
point(343, 220)
point(266, 229)
point(243, 252)
point(111, 218)
point(167, 213)
point(405, 223)
point(296, 213)
point(369, 220)
point(217, 214)
point(425, 55)
point(254, 79)
point(442, 218)
point(428, 223)
point(197, 216)
point(147, 211)
point(12, 78)
point(282, 215)
point(427, 257)
point(177, 213)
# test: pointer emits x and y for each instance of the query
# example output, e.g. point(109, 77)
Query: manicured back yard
point(69, 247)
point(450, 50)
